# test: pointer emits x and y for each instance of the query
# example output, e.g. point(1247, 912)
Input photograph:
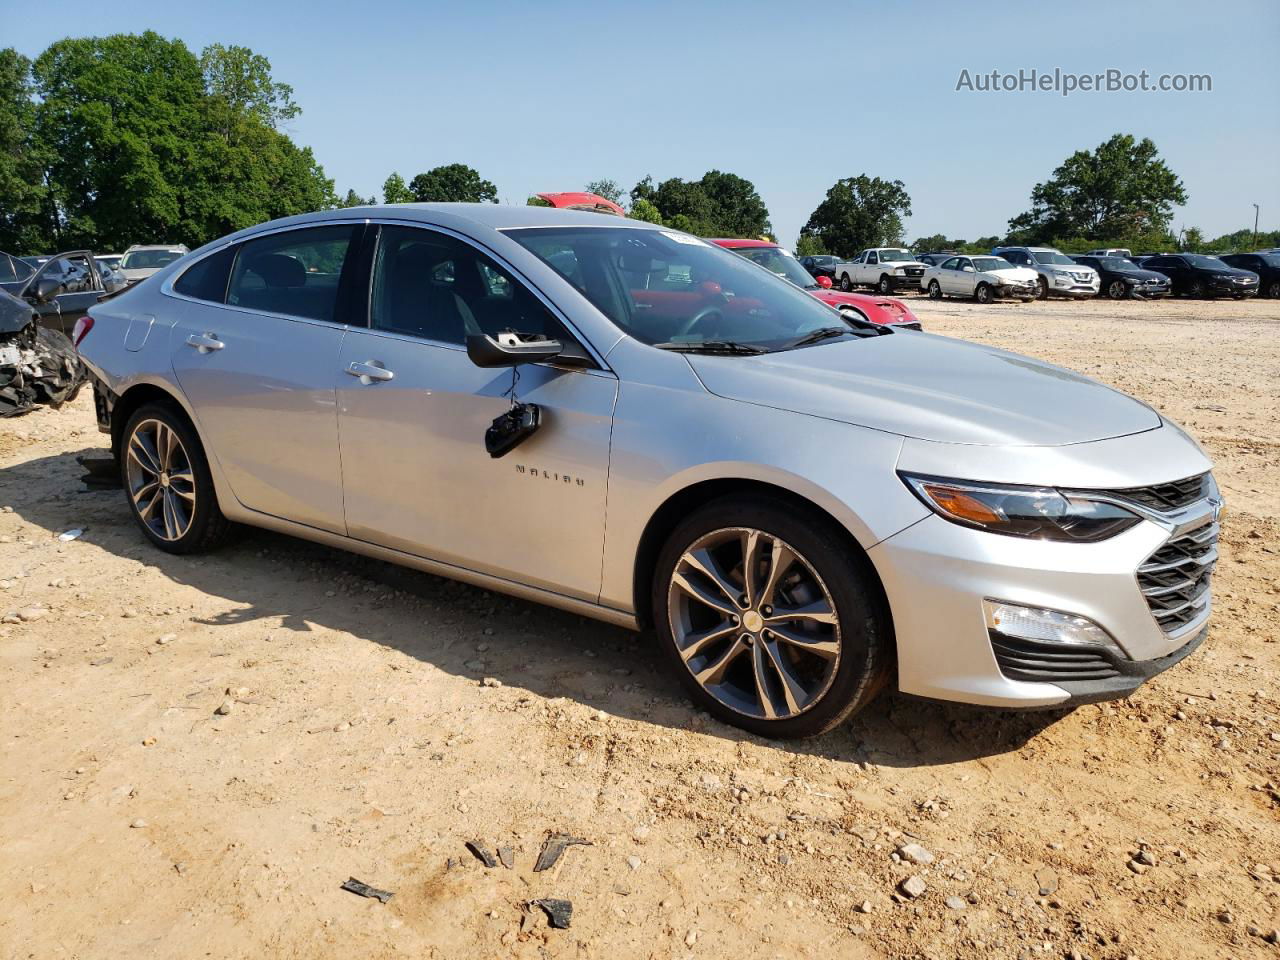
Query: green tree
point(936, 241)
point(353, 199)
point(536, 201)
point(809, 247)
point(1192, 240)
point(717, 205)
point(243, 80)
point(859, 212)
point(1119, 189)
point(608, 189)
point(25, 215)
point(395, 191)
point(642, 209)
point(453, 182)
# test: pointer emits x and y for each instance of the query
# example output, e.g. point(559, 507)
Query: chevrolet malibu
point(624, 421)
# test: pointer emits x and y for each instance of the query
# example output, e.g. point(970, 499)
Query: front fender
point(845, 470)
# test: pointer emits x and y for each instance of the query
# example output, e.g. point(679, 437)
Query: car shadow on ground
point(301, 587)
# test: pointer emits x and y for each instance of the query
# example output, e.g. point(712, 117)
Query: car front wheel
point(1273, 290)
point(167, 480)
point(885, 286)
point(768, 619)
point(845, 285)
point(983, 293)
point(935, 291)
point(1044, 289)
point(1116, 290)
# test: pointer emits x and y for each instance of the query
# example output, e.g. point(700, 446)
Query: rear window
point(207, 279)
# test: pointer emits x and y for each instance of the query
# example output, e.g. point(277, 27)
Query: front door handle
point(369, 371)
point(205, 342)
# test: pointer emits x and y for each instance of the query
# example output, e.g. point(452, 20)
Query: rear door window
point(294, 274)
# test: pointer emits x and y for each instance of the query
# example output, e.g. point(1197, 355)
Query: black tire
point(983, 293)
point(885, 286)
point(1273, 290)
point(1027, 299)
point(845, 285)
point(208, 528)
point(935, 290)
point(1117, 290)
point(1196, 289)
point(866, 633)
point(1042, 292)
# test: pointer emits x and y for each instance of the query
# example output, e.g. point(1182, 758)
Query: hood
point(877, 309)
point(930, 388)
point(1025, 274)
point(1141, 274)
point(15, 314)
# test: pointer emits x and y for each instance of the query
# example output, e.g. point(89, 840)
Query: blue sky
point(792, 96)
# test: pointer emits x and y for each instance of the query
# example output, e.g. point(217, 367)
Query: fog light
point(1037, 623)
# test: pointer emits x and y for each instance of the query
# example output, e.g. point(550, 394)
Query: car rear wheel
point(845, 285)
point(1273, 290)
point(1117, 290)
point(983, 293)
point(1044, 289)
point(768, 620)
point(167, 480)
point(935, 291)
point(885, 286)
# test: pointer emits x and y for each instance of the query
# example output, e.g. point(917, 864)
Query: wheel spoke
point(758, 668)
point(817, 612)
point(144, 455)
point(750, 565)
point(714, 672)
point(780, 563)
point(183, 483)
point(820, 644)
point(696, 643)
point(170, 520)
point(723, 606)
point(792, 692)
point(705, 564)
point(146, 512)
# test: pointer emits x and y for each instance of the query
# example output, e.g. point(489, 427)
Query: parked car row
point(1113, 272)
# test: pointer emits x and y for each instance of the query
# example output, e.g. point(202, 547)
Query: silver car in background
point(803, 508)
point(142, 260)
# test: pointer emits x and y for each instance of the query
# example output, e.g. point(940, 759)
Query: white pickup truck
point(885, 268)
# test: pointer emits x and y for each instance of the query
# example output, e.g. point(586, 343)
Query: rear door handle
point(369, 371)
point(204, 342)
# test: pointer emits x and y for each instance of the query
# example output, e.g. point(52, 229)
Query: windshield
point(780, 262)
point(888, 256)
point(983, 264)
point(13, 269)
point(1116, 263)
point(148, 259)
point(1052, 256)
point(1205, 263)
point(663, 287)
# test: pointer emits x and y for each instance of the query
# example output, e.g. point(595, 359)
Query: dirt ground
point(363, 741)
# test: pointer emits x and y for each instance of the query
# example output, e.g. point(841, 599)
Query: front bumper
point(911, 281)
point(1020, 290)
point(937, 575)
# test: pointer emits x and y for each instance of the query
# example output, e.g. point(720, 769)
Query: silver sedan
point(624, 421)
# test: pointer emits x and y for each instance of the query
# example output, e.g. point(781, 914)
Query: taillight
point(82, 328)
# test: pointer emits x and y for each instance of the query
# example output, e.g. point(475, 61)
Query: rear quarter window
point(207, 278)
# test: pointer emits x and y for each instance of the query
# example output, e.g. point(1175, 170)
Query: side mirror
point(508, 350)
point(823, 282)
point(46, 288)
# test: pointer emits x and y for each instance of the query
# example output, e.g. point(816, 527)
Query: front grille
point(1165, 496)
point(1175, 579)
point(915, 271)
point(1046, 662)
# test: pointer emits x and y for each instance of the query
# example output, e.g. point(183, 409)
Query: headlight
point(900, 271)
point(1041, 513)
point(1062, 275)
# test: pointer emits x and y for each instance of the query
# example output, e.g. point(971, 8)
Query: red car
point(590, 202)
point(877, 309)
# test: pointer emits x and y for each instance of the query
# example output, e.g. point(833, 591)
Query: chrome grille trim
point(1175, 579)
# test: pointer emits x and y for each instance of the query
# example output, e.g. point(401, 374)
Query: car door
point(254, 348)
point(869, 271)
point(78, 290)
point(947, 274)
point(413, 411)
point(1171, 267)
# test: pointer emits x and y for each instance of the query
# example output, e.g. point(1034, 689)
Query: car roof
point(156, 246)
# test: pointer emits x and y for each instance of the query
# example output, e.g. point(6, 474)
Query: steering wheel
point(692, 323)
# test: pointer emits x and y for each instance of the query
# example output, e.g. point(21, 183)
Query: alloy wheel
point(162, 485)
point(935, 291)
point(754, 623)
point(1116, 290)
